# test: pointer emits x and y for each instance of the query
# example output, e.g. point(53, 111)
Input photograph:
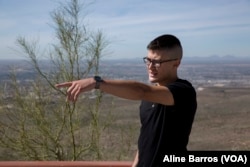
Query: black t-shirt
point(166, 129)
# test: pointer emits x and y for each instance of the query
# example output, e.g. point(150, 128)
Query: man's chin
point(152, 80)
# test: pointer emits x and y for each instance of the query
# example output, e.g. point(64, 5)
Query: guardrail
point(65, 164)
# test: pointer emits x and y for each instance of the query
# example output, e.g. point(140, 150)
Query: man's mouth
point(153, 74)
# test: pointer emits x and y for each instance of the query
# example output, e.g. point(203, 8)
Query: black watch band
point(98, 80)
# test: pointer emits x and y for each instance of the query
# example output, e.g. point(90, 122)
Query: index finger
point(65, 84)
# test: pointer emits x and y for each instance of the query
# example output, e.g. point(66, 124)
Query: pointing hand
point(76, 87)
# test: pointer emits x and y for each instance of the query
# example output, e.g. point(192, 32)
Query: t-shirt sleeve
point(183, 93)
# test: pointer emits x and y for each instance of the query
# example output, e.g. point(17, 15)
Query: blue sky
point(205, 28)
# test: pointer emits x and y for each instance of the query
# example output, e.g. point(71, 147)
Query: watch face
point(97, 78)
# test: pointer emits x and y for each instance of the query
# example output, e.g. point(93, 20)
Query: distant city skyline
point(205, 28)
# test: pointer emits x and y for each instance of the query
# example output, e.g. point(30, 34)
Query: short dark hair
point(166, 41)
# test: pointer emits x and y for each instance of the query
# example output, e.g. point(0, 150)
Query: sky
point(205, 28)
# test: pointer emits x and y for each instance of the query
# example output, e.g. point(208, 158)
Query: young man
point(168, 105)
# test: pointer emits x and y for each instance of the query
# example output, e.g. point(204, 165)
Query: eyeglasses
point(155, 63)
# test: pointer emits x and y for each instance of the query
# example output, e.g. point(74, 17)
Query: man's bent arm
point(136, 160)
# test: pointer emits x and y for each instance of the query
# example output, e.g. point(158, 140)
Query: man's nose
point(151, 65)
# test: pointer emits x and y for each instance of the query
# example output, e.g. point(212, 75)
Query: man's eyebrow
point(152, 59)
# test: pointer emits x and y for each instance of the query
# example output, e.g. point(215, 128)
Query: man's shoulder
point(181, 83)
point(179, 80)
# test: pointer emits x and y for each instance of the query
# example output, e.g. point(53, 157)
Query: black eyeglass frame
point(148, 61)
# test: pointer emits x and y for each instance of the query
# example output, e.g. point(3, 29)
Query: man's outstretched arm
point(122, 88)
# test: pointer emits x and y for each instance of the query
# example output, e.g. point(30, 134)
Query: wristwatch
point(98, 80)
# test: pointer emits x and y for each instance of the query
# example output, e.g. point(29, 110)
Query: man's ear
point(177, 63)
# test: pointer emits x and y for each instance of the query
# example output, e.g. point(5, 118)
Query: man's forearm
point(125, 89)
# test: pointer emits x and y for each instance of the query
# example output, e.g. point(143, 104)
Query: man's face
point(160, 72)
